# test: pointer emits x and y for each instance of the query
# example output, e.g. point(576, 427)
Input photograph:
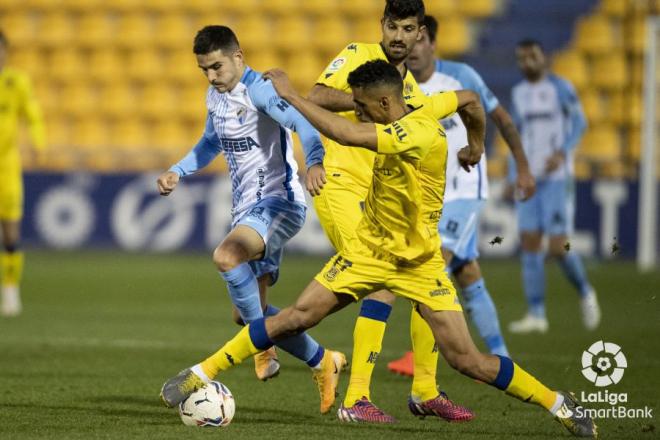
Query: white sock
point(558, 403)
point(197, 369)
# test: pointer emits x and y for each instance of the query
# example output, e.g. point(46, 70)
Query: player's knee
point(227, 257)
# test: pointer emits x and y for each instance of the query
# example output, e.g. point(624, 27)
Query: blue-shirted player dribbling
point(251, 125)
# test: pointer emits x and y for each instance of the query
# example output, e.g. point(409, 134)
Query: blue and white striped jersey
point(549, 118)
point(451, 75)
point(252, 126)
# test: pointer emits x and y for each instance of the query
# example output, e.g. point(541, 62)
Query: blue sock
point(533, 272)
point(572, 266)
point(244, 291)
point(480, 308)
point(302, 346)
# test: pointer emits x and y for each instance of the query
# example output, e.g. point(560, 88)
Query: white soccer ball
point(212, 405)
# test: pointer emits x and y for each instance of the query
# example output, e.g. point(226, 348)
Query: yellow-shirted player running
point(397, 246)
point(16, 103)
point(339, 207)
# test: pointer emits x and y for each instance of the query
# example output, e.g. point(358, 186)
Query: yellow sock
point(239, 348)
point(425, 354)
point(11, 268)
point(520, 384)
point(367, 343)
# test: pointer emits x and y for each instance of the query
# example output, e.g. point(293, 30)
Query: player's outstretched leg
point(314, 304)
point(367, 342)
point(248, 295)
point(456, 345)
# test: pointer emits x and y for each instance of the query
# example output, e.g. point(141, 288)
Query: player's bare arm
point(331, 99)
point(525, 184)
point(473, 116)
point(167, 182)
point(335, 127)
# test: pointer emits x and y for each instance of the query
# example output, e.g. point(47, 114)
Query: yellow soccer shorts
point(339, 208)
point(357, 272)
point(11, 196)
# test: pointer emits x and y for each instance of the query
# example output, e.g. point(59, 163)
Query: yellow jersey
point(17, 102)
point(356, 162)
point(404, 201)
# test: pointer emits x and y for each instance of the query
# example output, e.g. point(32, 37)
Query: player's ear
point(384, 103)
point(420, 32)
point(238, 55)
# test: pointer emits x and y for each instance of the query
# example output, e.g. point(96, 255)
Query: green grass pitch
point(101, 331)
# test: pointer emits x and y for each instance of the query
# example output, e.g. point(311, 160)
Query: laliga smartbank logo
point(604, 364)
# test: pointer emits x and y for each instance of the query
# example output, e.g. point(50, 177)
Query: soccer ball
point(212, 405)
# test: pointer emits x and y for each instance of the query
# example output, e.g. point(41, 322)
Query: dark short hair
point(431, 27)
point(530, 42)
point(376, 73)
point(212, 38)
point(402, 9)
point(3, 39)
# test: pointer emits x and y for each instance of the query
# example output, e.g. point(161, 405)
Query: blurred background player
point(16, 104)
point(549, 117)
point(465, 195)
point(339, 206)
point(248, 122)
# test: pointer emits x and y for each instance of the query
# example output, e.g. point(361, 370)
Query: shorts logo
point(340, 265)
point(336, 64)
point(603, 364)
point(440, 291)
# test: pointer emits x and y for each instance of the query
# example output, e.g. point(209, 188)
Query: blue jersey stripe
point(289, 171)
point(480, 171)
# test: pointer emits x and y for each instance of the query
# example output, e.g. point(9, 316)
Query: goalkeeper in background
point(16, 103)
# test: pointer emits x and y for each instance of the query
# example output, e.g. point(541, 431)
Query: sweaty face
point(422, 55)
point(222, 71)
point(531, 61)
point(399, 37)
point(369, 105)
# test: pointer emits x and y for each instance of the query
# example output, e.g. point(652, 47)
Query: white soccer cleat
point(590, 310)
point(11, 301)
point(529, 324)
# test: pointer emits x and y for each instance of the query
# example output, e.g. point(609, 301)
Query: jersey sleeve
point(406, 136)
point(471, 80)
point(31, 111)
point(201, 154)
point(266, 100)
point(443, 104)
point(336, 74)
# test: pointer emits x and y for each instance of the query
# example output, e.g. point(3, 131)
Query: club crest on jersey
point(241, 113)
point(339, 265)
point(336, 64)
point(407, 88)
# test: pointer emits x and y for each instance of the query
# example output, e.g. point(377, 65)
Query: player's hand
point(281, 82)
point(525, 185)
point(509, 192)
point(315, 179)
point(554, 162)
point(167, 182)
point(469, 157)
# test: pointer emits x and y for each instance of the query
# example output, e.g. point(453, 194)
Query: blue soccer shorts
point(458, 228)
point(276, 220)
point(551, 210)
